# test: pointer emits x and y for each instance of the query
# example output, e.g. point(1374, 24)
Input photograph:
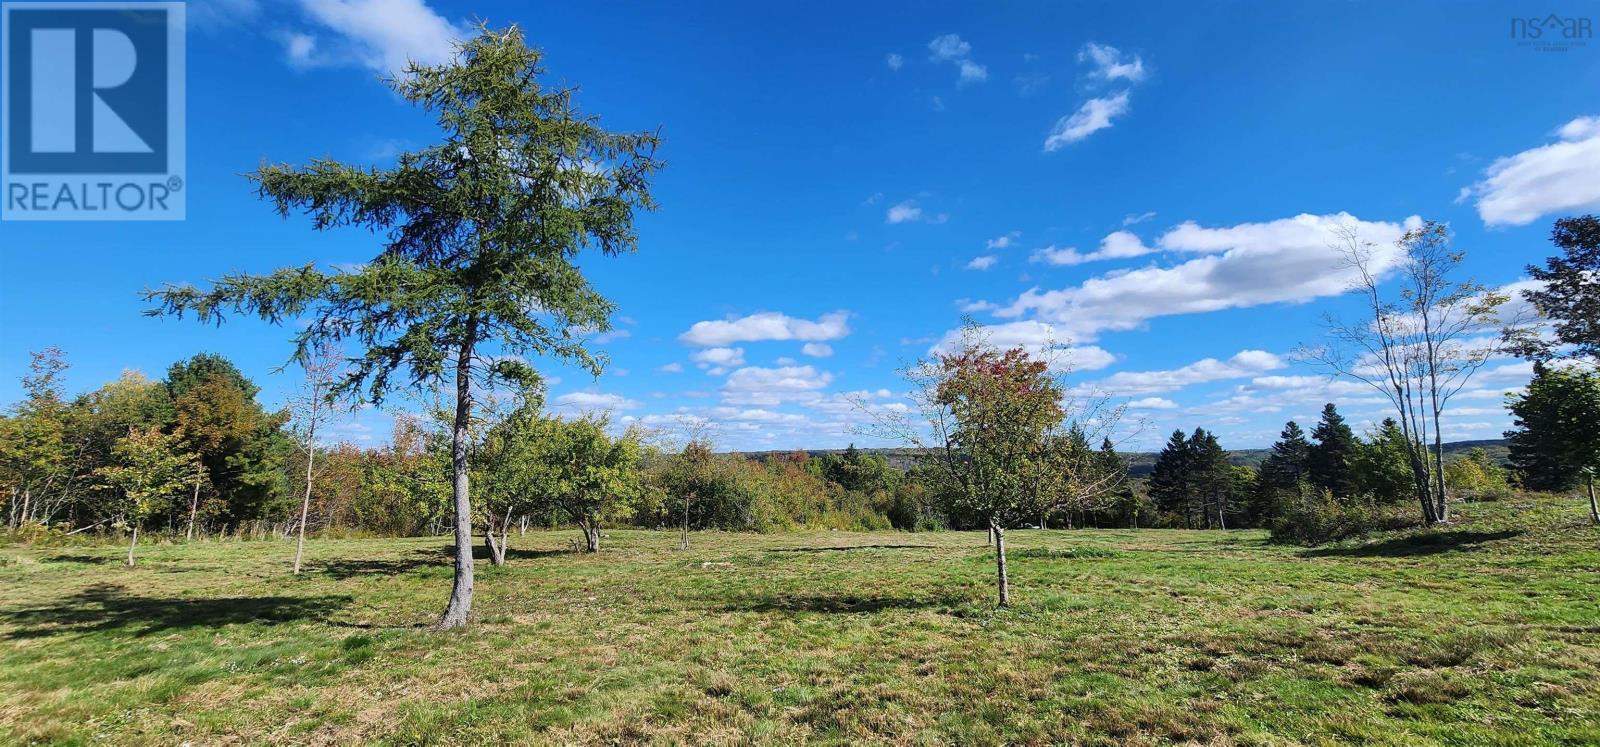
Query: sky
point(1149, 187)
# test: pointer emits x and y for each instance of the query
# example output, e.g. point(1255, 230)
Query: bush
point(1475, 477)
point(1319, 518)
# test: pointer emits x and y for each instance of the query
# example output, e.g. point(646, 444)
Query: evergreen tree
point(1210, 477)
point(1283, 473)
point(1329, 459)
point(1555, 444)
point(1382, 465)
point(1170, 484)
point(478, 273)
point(1568, 294)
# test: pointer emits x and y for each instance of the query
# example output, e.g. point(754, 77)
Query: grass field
point(1486, 632)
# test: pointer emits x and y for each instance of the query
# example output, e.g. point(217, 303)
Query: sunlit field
point(1486, 632)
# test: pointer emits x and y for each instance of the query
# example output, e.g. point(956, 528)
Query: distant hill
point(1141, 462)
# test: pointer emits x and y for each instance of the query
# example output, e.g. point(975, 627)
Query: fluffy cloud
point(670, 368)
point(1003, 242)
point(1117, 245)
point(1243, 364)
point(590, 401)
point(770, 387)
point(1152, 403)
point(983, 263)
point(1093, 116)
point(894, 61)
point(383, 35)
point(1109, 63)
point(907, 211)
point(951, 48)
point(767, 325)
point(817, 349)
point(1291, 260)
point(1561, 177)
point(1039, 339)
point(717, 361)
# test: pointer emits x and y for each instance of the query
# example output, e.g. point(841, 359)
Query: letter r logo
point(87, 89)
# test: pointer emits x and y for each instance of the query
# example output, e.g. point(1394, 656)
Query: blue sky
point(1152, 184)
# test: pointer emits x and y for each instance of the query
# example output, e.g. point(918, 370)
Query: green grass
point(1485, 632)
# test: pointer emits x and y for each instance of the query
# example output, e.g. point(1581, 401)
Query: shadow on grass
point(844, 548)
point(85, 559)
point(108, 607)
point(440, 558)
point(836, 603)
point(1429, 543)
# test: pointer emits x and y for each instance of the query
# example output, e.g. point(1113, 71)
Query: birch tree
point(311, 410)
point(1418, 346)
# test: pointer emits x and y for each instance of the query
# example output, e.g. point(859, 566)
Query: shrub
point(1319, 518)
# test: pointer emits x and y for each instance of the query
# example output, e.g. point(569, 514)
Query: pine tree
point(1210, 474)
point(1283, 473)
point(1556, 437)
point(1329, 459)
point(1169, 480)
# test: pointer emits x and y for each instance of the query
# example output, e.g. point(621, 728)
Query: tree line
point(477, 279)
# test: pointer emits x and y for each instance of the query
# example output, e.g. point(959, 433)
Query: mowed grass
point(1486, 632)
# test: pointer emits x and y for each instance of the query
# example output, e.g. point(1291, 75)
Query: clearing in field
point(1486, 632)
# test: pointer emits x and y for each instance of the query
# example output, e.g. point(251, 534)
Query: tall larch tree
point(481, 232)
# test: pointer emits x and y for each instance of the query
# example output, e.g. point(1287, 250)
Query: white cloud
point(767, 325)
point(717, 361)
point(1243, 364)
point(904, 212)
point(1041, 340)
point(588, 401)
point(983, 263)
point(1109, 63)
point(1560, 177)
point(1116, 245)
point(670, 368)
point(1153, 403)
point(1133, 218)
point(383, 35)
point(1003, 242)
point(1095, 115)
point(1291, 260)
point(895, 61)
point(817, 349)
point(769, 387)
point(951, 48)
point(907, 211)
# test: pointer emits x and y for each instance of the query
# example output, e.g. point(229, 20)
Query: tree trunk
point(133, 544)
point(685, 544)
point(591, 534)
point(1442, 508)
point(305, 502)
point(194, 509)
point(1000, 563)
point(455, 615)
point(497, 550)
point(522, 526)
point(1594, 508)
